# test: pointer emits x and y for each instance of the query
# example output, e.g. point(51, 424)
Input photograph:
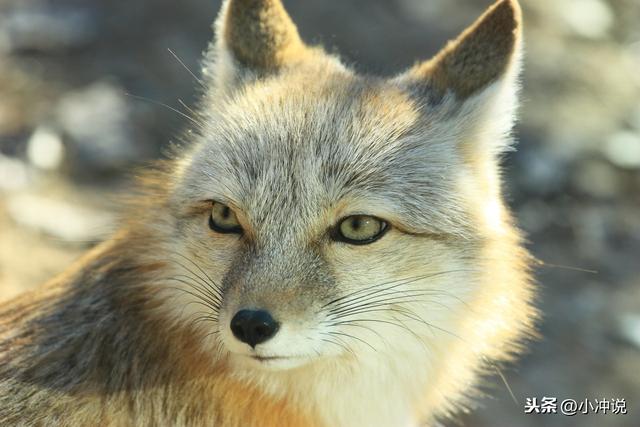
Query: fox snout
point(254, 326)
point(272, 296)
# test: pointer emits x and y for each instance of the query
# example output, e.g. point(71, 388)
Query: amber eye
point(223, 220)
point(360, 229)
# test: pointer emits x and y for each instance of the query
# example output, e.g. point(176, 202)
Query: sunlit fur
point(393, 333)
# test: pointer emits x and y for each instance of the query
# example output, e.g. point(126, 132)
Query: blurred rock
point(597, 179)
point(591, 226)
point(45, 149)
point(14, 174)
point(587, 18)
point(541, 171)
point(629, 328)
point(10, 117)
point(535, 216)
point(45, 28)
point(623, 149)
point(98, 122)
point(635, 114)
point(72, 224)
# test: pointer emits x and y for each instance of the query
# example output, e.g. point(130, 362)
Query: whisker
point(353, 337)
point(364, 327)
point(431, 325)
point(204, 297)
point(568, 267)
point(359, 291)
point(177, 58)
point(203, 319)
point(352, 297)
point(341, 342)
point(397, 299)
point(206, 290)
point(198, 124)
point(336, 343)
point(191, 110)
point(210, 281)
point(504, 380)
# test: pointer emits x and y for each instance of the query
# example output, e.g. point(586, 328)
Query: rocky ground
point(82, 85)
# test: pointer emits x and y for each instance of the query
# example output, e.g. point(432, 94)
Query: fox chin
point(324, 249)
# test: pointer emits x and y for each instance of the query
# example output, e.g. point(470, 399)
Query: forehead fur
point(300, 144)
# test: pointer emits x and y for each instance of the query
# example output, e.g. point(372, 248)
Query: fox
point(326, 248)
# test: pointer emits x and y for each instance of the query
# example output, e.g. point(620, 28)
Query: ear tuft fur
point(482, 54)
point(259, 34)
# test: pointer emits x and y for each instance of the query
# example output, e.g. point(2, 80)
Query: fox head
point(322, 216)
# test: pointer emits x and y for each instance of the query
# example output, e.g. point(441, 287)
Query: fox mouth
point(270, 358)
point(277, 362)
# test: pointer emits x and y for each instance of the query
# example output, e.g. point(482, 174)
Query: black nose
point(253, 326)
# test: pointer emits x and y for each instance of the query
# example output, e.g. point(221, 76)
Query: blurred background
point(88, 91)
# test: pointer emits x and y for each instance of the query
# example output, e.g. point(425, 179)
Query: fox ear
point(484, 53)
point(472, 84)
point(253, 38)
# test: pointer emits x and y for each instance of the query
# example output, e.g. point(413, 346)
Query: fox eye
point(223, 220)
point(361, 229)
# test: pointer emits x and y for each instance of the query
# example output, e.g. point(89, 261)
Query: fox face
point(333, 193)
point(323, 218)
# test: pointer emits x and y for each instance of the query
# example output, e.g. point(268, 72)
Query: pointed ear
point(471, 86)
point(485, 52)
point(253, 38)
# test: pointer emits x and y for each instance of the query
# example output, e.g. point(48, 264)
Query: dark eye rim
point(337, 235)
point(217, 228)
